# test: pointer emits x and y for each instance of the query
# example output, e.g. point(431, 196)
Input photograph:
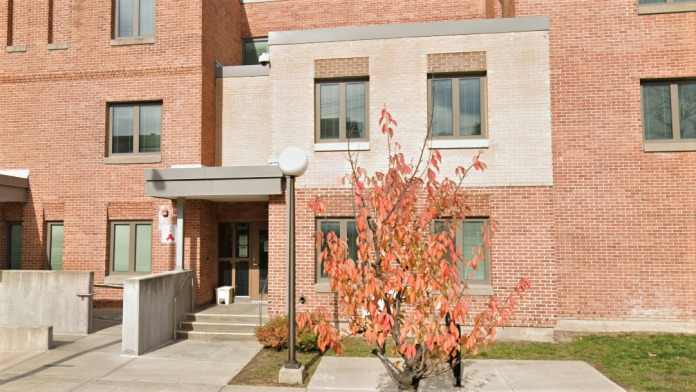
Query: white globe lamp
point(293, 162)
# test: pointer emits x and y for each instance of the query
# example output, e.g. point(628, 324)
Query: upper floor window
point(669, 115)
point(665, 6)
point(134, 127)
point(341, 110)
point(346, 230)
point(457, 106)
point(253, 48)
point(134, 18)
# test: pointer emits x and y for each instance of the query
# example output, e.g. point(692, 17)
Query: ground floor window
point(344, 229)
point(131, 247)
point(14, 240)
point(470, 241)
point(55, 245)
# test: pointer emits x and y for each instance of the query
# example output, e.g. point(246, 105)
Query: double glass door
point(243, 263)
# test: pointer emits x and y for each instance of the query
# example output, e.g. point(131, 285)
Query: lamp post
point(293, 163)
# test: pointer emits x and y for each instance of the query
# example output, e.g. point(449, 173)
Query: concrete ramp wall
point(61, 299)
point(153, 306)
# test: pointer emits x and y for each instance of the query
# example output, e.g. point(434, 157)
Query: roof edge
point(410, 30)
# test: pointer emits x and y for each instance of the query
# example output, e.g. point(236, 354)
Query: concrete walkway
point(94, 363)
point(336, 374)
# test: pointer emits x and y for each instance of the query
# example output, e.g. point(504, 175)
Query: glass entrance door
point(243, 258)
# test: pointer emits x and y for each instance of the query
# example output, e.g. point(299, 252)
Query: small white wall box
point(224, 295)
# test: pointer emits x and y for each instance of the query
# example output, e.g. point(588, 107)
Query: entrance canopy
point(234, 183)
point(13, 189)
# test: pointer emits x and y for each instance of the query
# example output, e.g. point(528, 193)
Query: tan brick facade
point(461, 62)
point(341, 68)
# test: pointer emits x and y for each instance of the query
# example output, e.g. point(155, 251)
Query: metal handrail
point(264, 289)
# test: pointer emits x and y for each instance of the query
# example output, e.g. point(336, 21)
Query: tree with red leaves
point(404, 286)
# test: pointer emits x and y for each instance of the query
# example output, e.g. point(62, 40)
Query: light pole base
point(291, 376)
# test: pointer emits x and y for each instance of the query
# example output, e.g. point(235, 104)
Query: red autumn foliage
point(405, 283)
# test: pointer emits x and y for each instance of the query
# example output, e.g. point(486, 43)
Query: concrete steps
point(223, 323)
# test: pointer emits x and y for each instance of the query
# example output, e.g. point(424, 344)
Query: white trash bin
point(224, 295)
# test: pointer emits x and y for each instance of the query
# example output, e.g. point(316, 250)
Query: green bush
point(274, 334)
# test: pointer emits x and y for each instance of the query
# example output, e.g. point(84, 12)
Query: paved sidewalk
point(340, 374)
point(94, 363)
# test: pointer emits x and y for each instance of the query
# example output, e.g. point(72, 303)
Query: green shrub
point(274, 334)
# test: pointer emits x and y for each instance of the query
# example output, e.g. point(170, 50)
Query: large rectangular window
point(14, 241)
point(134, 18)
point(252, 49)
point(346, 230)
point(135, 127)
point(457, 106)
point(341, 110)
point(55, 238)
point(669, 113)
point(131, 247)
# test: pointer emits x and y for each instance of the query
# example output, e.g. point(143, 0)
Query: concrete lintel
point(411, 30)
point(242, 71)
point(213, 173)
point(12, 181)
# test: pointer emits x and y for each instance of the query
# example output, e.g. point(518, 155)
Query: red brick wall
point(625, 219)
point(54, 124)
point(260, 18)
point(523, 246)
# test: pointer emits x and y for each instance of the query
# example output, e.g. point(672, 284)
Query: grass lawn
point(636, 362)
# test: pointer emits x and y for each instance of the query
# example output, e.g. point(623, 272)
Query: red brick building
point(584, 111)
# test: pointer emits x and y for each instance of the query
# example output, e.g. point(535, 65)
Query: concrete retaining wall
point(22, 339)
point(61, 299)
point(153, 306)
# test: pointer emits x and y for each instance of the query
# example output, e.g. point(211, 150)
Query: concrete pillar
point(180, 234)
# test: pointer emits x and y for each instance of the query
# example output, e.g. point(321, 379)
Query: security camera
point(264, 59)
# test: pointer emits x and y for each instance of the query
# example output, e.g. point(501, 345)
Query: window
point(346, 230)
point(669, 114)
point(135, 128)
point(54, 245)
point(457, 106)
point(470, 240)
point(14, 239)
point(341, 110)
point(131, 247)
point(10, 22)
point(134, 18)
point(252, 49)
point(665, 6)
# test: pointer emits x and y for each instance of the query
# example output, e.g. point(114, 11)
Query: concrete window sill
point(132, 41)
point(666, 8)
point(342, 146)
point(479, 290)
point(16, 49)
point(61, 46)
point(445, 144)
point(122, 159)
point(322, 287)
point(670, 145)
